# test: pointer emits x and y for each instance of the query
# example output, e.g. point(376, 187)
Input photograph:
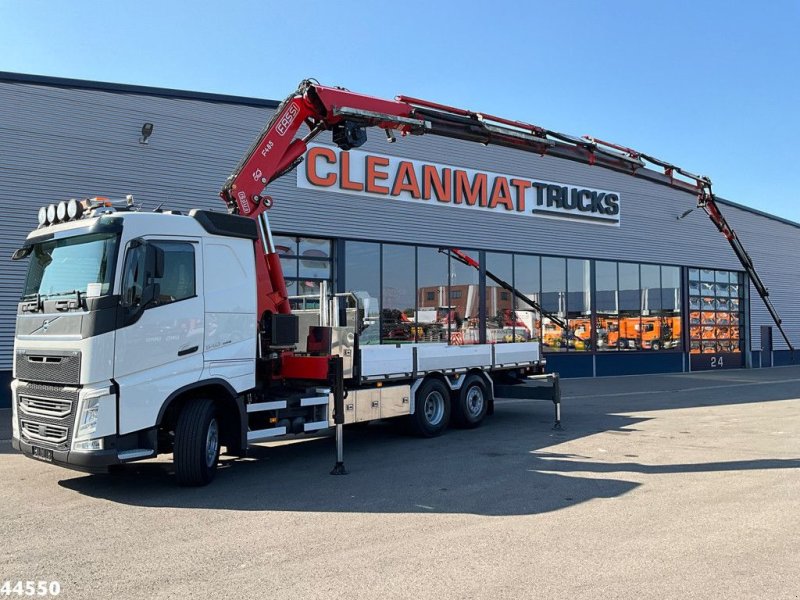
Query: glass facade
point(399, 292)
point(527, 281)
point(363, 273)
point(306, 262)
point(435, 317)
point(638, 306)
point(421, 294)
point(554, 296)
point(502, 323)
point(579, 304)
point(716, 311)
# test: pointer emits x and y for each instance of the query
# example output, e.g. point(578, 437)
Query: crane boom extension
point(711, 208)
point(464, 258)
point(346, 114)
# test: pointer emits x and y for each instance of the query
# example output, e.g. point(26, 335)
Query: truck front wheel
point(197, 443)
point(431, 409)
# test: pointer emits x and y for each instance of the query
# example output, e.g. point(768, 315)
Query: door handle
point(185, 351)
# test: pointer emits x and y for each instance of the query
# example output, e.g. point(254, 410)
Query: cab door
point(159, 347)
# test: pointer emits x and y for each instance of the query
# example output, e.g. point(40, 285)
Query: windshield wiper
point(64, 293)
point(67, 304)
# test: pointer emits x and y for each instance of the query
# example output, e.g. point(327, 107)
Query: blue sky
point(711, 86)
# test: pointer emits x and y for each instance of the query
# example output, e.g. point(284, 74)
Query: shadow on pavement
point(488, 471)
point(495, 470)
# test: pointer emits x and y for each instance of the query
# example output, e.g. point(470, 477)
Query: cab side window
point(178, 280)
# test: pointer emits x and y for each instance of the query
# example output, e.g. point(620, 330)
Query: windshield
point(64, 266)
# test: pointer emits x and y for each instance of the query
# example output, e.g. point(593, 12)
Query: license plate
point(42, 454)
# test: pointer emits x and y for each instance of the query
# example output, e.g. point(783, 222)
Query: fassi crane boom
point(466, 259)
point(707, 201)
point(277, 150)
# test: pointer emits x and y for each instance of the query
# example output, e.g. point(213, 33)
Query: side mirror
point(154, 262)
point(144, 265)
point(129, 296)
point(150, 294)
point(153, 269)
point(21, 253)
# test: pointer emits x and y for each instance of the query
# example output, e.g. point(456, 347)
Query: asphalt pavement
point(659, 486)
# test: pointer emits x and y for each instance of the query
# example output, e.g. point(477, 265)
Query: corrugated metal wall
point(58, 142)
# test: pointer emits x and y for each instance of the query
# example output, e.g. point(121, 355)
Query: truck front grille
point(46, 414)
point(42, 432)
point(46, 407)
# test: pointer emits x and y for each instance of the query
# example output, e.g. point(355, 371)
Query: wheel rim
point(434, 408)
point(212, 443)
point(475, 401)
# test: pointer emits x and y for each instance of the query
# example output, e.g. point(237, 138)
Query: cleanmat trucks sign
point(403, 179)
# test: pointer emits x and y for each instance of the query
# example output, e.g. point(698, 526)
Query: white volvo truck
point(146, 333)
point(138, 333)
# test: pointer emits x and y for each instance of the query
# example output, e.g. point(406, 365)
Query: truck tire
point(431, 409)
point(471, 403)
point(197, 443)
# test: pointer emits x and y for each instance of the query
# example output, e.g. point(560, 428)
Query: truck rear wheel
point(197, 445)
point(431, 409)
point(471, 402)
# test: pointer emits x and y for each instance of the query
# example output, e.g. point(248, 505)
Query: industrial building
point(642, 290)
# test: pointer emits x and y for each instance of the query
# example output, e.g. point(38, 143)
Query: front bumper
point(91, 462)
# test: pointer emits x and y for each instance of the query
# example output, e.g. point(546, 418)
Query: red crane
point(346, 114)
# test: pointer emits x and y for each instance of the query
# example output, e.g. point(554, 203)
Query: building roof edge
point(134, 89)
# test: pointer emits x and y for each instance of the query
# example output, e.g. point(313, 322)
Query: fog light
point(61, 211)
point(42, 216)
point(51, 214)
point(88, 445)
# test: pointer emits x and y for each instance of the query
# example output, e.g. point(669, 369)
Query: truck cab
point(122, 312)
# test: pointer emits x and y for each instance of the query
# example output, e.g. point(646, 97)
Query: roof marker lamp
point(51, 214)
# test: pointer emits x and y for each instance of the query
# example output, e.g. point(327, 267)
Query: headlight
point(51, 214)
point(42, 216)
point(61, 211)
point(87, 424)
point(97, 415)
